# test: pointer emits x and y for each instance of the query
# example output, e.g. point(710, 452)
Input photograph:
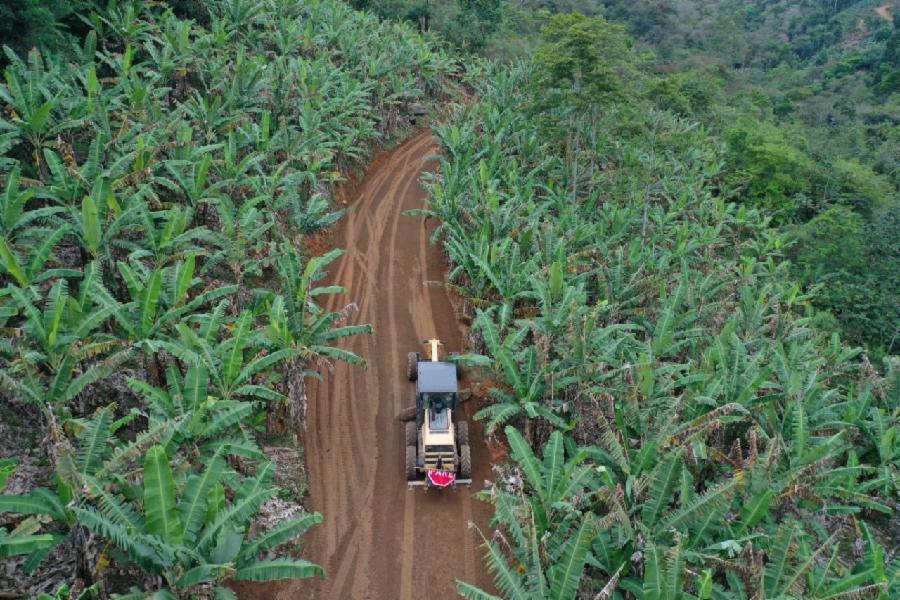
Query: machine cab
point(436, 388)
point(436, 398)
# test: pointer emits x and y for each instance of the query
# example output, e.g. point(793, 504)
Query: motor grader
point(437, 447)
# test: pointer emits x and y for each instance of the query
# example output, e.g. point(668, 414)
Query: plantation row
point(682, 430)
point(157, 308)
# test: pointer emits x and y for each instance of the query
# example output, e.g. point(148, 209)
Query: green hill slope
point(805, 95)
point(684, 427)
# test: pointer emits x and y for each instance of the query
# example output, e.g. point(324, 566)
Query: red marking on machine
point(441, 478)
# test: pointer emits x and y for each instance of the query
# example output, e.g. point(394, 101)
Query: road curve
point(379, 540)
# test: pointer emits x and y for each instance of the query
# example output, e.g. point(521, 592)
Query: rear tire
point(410, 463)
point(411, 433)
point(462, 433)
point(465, 462)
point(412, 366)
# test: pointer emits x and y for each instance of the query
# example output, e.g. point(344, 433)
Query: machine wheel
point(462, 433)
point(465, 462)
point(410, 463)
point(412, 365)
point(411, 433)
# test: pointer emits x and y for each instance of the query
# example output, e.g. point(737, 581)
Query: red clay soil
point(380, 540)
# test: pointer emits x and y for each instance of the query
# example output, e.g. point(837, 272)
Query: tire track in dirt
point(379, 540)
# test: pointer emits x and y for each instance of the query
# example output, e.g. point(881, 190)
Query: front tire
point(462, 433)
point(412, 366)
point(465, 462)
point(410, 463)
point(411, 433)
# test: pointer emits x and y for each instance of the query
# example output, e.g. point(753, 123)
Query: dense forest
point(673, 226)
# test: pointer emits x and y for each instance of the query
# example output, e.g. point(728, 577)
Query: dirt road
point(884, 11)
point(379, 540)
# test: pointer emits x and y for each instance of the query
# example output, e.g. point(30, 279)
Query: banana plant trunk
point(528, 432)
point(86, 558)
point(297, 394)
point(291, 417)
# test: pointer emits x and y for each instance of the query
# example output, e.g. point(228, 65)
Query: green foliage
point(71, 592)
point(24, 539)
point(209, 545)
point(690, 93)
point(587, 59)
point(7, 468)
point(649, 334)
point(767, 170)
point(166, 525)
point(155, 198)
point(858, 186)
point(809, 119)
point(828, 243)
point(468, 24)
point(479, 19)
point(854, 263)
point(888, 76)
point(41, 23)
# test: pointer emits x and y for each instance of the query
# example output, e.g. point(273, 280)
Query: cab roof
point(436, 377)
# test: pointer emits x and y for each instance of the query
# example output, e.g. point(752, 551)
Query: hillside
point(805, 95)
point(664, 236)
point(683, 421)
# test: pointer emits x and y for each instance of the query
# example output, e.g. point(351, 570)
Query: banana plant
point(171, 51)
point(309, 214)
point(187, 530)
point(25, 539)
point(33, 92)
point(212, 115)
point(121, 21)
point(160, 297)
point(236, 363)
point(543, 567)
point(664, 577)
point(190, 177)
point(78, 464)
point(243, 240)
point(61, 334)
point(169, 236)
point(76, 591)
point(100, 226)
point(557, 485)
point(526, 380)
point(295, 320)
point(194, 535)
point(17, 220)
point(202, 419)
point(28, 236)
